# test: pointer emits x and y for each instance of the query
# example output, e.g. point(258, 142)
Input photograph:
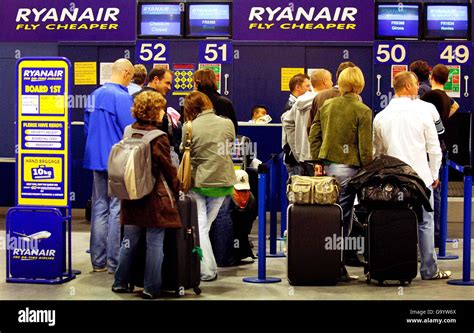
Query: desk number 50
point(397, 53)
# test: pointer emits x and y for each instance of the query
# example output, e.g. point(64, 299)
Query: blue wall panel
point(329, 57)
point(257, 77)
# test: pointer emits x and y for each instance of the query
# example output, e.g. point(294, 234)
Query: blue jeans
point(344, 174)
point(222, 236)
point(207, 208)
point(154, 257)
point(105, 225)
point(429, 264)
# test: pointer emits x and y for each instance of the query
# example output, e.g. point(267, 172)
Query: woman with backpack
point(153, 212)
point(213, 175)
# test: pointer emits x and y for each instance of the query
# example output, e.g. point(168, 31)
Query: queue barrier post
point(443, 214)
point(283, 198)
point(262, 194)
point(466, 264)
point(274, 182)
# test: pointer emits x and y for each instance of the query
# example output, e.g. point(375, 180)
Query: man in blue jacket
point(107, 114)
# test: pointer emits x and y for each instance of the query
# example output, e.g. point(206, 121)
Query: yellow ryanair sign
point(43, 132)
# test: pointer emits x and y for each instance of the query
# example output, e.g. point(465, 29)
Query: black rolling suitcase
point(181, 268)
point(391, 250)
point(314, 255)
point(181, 264)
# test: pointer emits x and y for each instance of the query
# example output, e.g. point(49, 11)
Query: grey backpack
point(129, 165)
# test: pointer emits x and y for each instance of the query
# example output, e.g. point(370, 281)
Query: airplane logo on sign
point(36, 236)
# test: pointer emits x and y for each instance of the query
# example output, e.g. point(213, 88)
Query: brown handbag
point(184, 170)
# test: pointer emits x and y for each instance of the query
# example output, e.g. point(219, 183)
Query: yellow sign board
point(43, 132)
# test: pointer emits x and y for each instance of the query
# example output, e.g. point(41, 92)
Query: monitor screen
point(209, 20)
point(445, 21)
point(160, 20)
point(398, 21)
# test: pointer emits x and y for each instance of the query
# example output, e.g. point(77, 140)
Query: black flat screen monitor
point(447, 21)
point(398, 20)
point(209, 20)
point(160, 19)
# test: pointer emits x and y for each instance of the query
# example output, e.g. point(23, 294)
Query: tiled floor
point(229, 285)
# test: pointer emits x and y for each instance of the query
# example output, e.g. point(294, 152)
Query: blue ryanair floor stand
point(466, 253)
point(262, 193)
point(38, 228)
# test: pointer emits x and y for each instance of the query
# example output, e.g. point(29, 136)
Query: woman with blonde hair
point(341, 139)
point(155, 211)
point(213, 174)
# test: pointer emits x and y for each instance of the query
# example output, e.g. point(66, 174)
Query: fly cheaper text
point(288, 18)
point(65, 19)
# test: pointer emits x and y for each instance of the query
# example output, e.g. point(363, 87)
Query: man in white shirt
point(295, 121)
point(405, 130)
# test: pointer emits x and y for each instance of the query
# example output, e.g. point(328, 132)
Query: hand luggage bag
point(391, 250)
point(314, 244)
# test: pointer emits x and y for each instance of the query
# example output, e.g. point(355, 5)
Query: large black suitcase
point(181, 268)
point(181, 264)
point(391, 251)
point(314, 252)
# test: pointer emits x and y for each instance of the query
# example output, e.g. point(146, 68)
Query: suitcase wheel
point(403, 282)
point(197, 290)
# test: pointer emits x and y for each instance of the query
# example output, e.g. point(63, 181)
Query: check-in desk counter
point(266, 138)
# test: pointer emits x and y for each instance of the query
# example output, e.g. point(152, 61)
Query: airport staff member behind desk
point(105, 118)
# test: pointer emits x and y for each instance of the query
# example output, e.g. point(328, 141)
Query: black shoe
point(121, 290)
point(147, 295)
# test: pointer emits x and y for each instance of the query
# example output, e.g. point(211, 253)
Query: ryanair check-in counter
point(254, 47)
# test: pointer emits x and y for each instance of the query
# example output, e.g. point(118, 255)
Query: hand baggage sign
point(42, 132)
